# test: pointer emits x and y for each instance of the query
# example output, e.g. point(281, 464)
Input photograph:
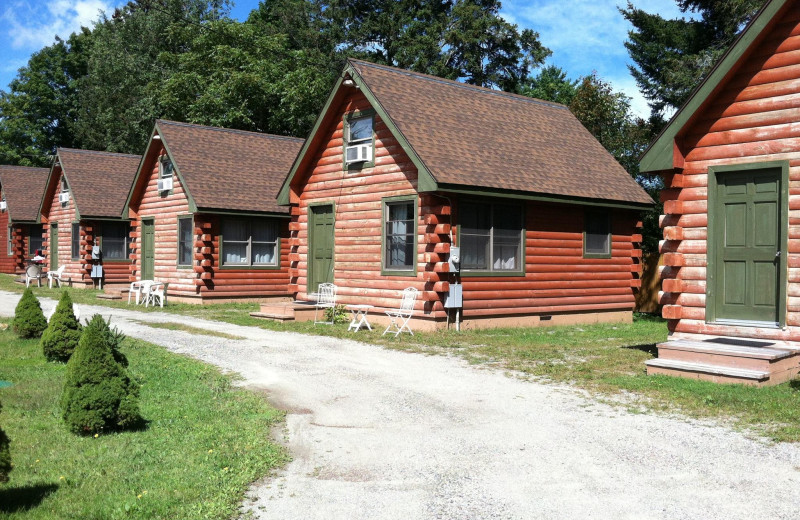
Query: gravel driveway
point(379, 434)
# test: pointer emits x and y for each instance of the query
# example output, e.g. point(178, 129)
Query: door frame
point(783, 239)
point(142, 255)
point(310, 254)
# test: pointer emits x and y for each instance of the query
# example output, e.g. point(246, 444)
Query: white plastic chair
point(139, 288)
point(33, 272)
point(326, 299)
point(55, 275)
point(156, 294)
point(401, 316)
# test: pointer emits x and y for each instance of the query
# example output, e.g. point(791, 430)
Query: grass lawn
point(204, 443)
point(605, 359)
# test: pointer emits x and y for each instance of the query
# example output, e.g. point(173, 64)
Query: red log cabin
point(204, 215)
point(21, 191)
point(730, 160)
point(402, 167)
point(81, 211)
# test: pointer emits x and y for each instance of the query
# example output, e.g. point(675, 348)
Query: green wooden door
point(320, 261)
point(148, 249)
point(748, 245)
point(53, 246)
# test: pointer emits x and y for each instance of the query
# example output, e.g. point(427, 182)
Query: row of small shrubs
point(98, 394)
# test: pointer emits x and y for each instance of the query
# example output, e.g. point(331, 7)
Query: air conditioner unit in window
point(3, 205)
point(165, 184)
point(358, 153)
point(63, 197)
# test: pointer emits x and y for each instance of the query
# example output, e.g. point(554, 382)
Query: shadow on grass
point(794, 384)
point(14, 499)
point(649, 348)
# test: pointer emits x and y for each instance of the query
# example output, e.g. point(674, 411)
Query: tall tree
point(672, 56)
point(40, 109)
point(551, 84)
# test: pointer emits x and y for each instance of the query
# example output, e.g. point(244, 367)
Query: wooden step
point(273, 316)
point(715, 373)
point(724, 349)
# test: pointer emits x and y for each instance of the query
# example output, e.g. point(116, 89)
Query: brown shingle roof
point(230, 169)
point(99, 181)
point(473, 136)
point(23, 187)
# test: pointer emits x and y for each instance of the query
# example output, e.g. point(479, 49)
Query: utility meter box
point(453, 298)
point(455, 260)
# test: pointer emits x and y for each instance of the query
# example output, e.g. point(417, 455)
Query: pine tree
point(29, 321)
point(63, 332)
point(98, 394)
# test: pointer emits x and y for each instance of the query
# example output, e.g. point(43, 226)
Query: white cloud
point(33, 27)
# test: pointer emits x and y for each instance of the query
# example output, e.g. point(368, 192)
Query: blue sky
point(584, 35)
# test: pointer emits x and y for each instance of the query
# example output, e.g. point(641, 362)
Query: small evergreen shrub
point(337, 314)
point(114, 337)
point(63, 332)
point(29, 319)
point(5, 455)
point(98, 394)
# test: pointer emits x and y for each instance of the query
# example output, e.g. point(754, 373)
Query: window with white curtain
point(399, 234)
point(491, 237)
point(252, 242)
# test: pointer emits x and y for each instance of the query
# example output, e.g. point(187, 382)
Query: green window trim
point(9, 241)
point(188, 263)
point(349, 116)
point(487, 273)
point(250, 266)
point(385, 203)
point(597, 216)
point(75, 241)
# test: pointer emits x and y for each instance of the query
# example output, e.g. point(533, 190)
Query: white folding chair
point(401, 316)
point(33, 272)
point(55, 275)
point(326, 299)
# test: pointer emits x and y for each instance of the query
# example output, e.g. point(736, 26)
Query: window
point(400, 233)
point(115, 240)
point(597, 234)
point(358, 128)
point(64, 185)
point(165, 168)
point(185, 240)
point(250, 242)
point(76, 241)
point(491, 237)
point(35, 241)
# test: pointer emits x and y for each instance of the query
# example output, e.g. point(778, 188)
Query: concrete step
point(725, 349)
point(767, 359)
point(273, 316)
point(705, 371)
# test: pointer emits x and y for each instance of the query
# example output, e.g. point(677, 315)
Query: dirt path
point(379, 434)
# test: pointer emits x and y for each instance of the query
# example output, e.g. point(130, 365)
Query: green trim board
point(53, 253)
point(414, 198)
point(465, 273)
point(659, 155)
point(598, 214)
point(714, 314)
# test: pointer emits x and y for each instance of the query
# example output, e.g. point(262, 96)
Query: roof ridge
point(229, 130)
point(458, 84)
point(98, 152)
point(9, 166)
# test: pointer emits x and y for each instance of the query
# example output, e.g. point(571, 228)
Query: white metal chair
point(138, 289)
point(156, 294)
point(56, 275)
point(33, 272)
point(401, 316)
point(326, 299)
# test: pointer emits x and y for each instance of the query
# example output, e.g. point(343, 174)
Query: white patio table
point(359, 319)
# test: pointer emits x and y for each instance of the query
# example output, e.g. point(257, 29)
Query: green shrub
point(5, 455)
point(98, 394)
point(114, 337)
point(29, 319)
point(337, 314)
point(63, 332)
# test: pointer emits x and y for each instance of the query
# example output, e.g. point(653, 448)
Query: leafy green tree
point(672, 56)
point(62, 333)
point(29, 321)
point(39, 111)
point(551, 84)
point(98, 394)
point(5, 455)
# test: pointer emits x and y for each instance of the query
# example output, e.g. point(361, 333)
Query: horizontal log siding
point(64, 215)
point(165, 210)
point(7, 262)
point(16, 262)
point(558, 278)
point(753, 119)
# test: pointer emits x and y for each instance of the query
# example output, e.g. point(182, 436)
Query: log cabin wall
point(164, 209)
point(7, 262)
point(557, 279)
point(751, 120)
point(64, 215)
point(20, 234)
